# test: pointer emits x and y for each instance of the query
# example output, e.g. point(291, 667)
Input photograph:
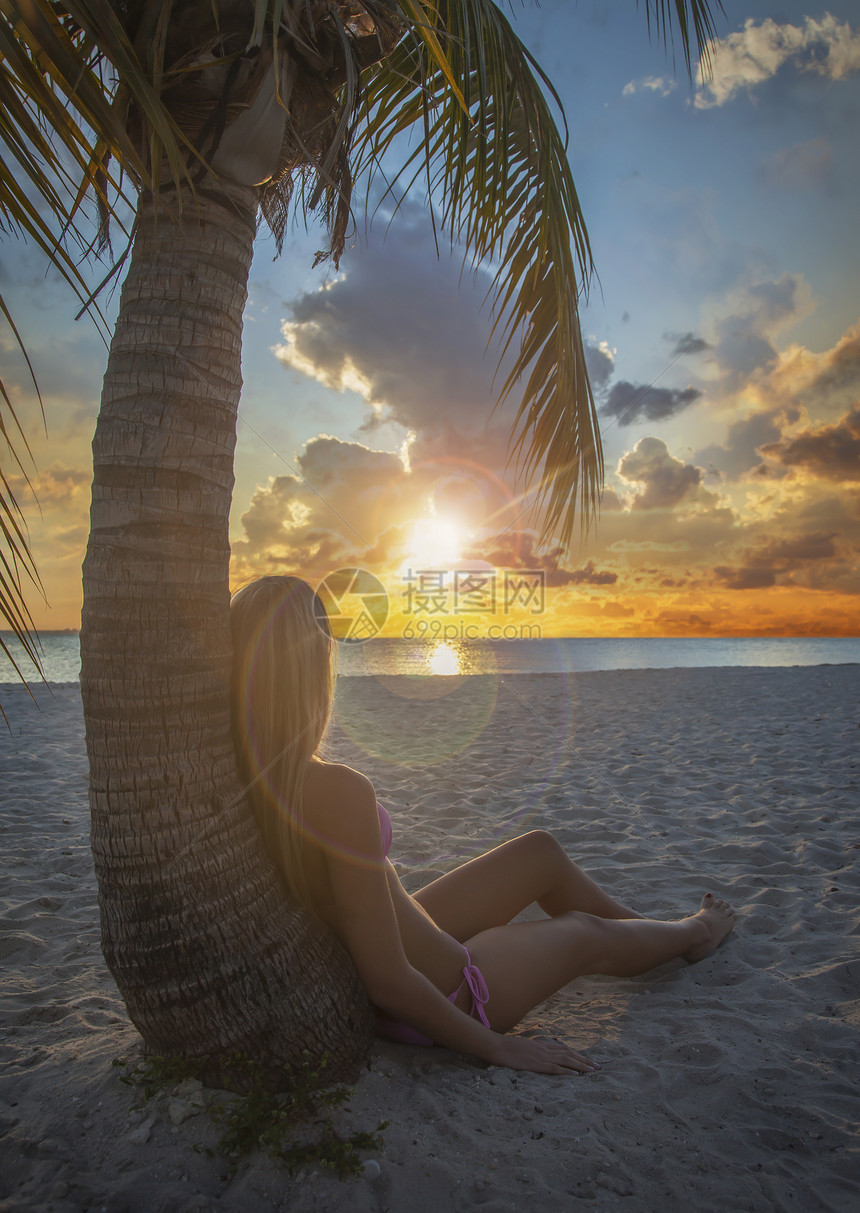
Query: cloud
point(667, 481)
point(687, 343)
point(516, 550)
point(800, 549)
point(600, 362)
point(56, 486)
point(589, 575)
point(331, 509)
point(838, 370)
point(751, 56)
point(745, 579)
point(762, 566)
point(650, 84)
point(330, 463)
point(805, 166)
point(630, 402)
point(741, 450)
point(825, 384)
point(831, 452)
point(404, 330)
point(742, 338)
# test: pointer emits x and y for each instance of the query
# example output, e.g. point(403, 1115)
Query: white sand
point(728, 1085)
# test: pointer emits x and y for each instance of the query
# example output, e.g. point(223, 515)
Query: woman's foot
point(718, 917)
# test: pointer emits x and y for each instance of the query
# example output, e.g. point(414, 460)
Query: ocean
point(61, 655)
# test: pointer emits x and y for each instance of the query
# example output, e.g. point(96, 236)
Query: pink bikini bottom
point(391, 1029)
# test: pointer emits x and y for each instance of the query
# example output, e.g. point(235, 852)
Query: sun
point(435, 541)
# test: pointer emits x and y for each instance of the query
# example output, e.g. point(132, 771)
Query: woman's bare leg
point(523, 963)
point(491, 890)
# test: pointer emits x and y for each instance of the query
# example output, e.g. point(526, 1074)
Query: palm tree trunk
point(207, 952)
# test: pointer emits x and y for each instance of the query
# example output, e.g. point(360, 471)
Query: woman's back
point(334, 865)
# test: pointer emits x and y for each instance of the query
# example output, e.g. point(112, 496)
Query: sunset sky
point(723, 337)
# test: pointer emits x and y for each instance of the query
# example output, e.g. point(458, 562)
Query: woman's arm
point(345, 815)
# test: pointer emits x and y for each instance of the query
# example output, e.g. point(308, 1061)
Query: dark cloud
point(327, 461)
point(600, 362)
point(631, 402)
point(668, 481)
point(772, 558)
point(687, 343)
point(837, 511)
point(745, 578)
point(792, 552)
point(743, 343)
point(516, 550)
point(481, 452)
point(269, 511)
point(589, 575)
point(742, 351)
point(404, 328)
point(841, 369)
point(830, 451)
point(745, 439)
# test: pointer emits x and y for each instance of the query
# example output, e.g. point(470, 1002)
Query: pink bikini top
point(384, 829)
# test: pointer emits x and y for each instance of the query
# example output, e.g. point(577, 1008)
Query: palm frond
point(495, 161)
point(496, 165)
point(695, 21)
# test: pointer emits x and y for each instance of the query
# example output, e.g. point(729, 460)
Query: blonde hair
point(282, 692)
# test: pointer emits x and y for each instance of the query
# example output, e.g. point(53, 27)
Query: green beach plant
point(294, 1127)
point(214, 112)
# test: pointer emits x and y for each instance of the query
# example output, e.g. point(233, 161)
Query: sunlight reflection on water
point(444, 659)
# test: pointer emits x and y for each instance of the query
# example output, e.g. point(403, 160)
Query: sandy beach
point(733, 1084)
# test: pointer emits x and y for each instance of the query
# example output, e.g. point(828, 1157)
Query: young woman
point(446, 965)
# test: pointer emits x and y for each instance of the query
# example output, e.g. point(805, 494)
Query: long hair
point(282, 692)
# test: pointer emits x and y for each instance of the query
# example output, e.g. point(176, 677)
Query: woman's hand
point(541, 1056)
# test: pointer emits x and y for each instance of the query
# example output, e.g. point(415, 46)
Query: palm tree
point(220, 111)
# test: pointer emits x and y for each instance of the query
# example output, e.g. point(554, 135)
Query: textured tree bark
point(208, 953)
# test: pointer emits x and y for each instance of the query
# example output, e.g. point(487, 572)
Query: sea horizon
point(385, 656)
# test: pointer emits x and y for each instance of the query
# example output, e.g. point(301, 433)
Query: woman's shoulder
point(332, 789)
point(334, 777)
point(339, 808)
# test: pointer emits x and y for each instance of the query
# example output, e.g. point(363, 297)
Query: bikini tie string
point(474, 979)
